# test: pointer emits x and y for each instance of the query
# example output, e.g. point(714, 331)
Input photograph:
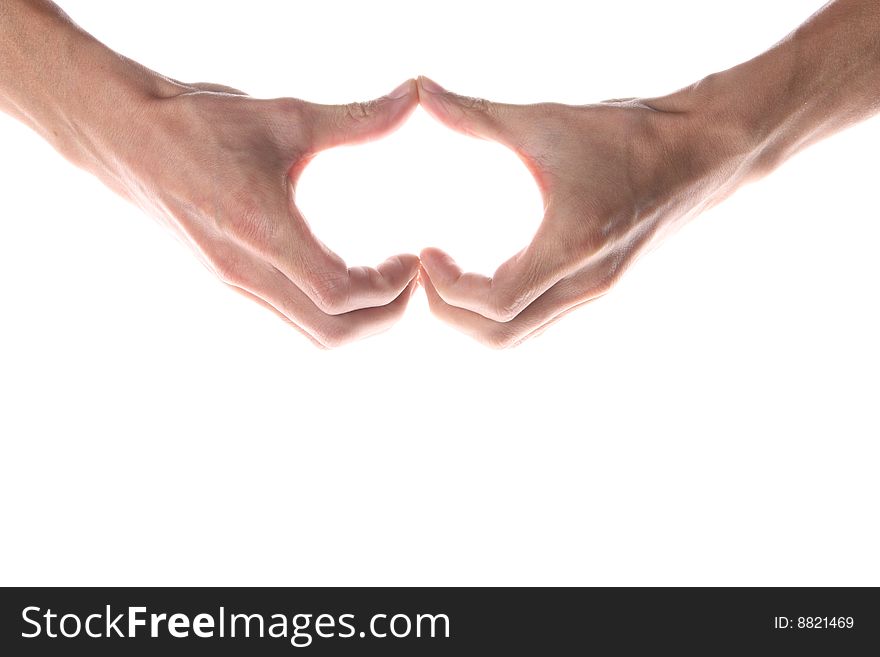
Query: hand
point(615, 177)
point(219, 168)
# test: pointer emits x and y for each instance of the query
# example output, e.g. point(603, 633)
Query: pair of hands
point(220, 169)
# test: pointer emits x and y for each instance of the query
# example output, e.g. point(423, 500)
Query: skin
point(220, 168)
point(215, 166)
point(620, 176)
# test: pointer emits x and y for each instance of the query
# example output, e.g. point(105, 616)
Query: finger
point(514, 285)
point(333, 331)
point(276, 290)
point(476, 117)
point(550, 322)
point(556, 302)
point(287, 242)
point(524, 129)
point(355, 123)
point(278, 313)
point(325, 278)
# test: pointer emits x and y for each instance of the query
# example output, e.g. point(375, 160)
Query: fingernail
point(401, 91)
point(430, 86)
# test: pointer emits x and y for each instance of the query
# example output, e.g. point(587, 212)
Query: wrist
point(742, 109)
point(822, 78)
point(768, 104)
point(67, 86)
point(103, 97)
point(744, 122)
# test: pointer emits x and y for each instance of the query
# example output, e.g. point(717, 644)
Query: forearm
point(63, 83)
point(822, 78)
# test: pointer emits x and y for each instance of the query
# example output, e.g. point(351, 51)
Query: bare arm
point(619, 176)
point(215, 166)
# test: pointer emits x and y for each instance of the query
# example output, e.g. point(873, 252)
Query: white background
point(714, 420)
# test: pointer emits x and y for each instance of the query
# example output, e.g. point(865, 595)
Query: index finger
point(288, 243)
point(326, 279)
point(514, 285)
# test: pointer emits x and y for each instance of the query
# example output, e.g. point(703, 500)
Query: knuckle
point(612, 272)
point(476, 104)
point(228, 269)
point(293, 108)
point(330, 292)
point(507, 306)
point(501, 338)
point(360, 111)
point(604, 285)
point(467, 109)
point(334, 335)
point(289, 118)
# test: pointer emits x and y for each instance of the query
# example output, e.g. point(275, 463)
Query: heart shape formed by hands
point(220, 168)
point(613, 177)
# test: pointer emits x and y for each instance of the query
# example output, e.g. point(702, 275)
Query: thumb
point(354, 123)
point(475, 117)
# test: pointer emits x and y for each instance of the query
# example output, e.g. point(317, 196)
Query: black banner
point(445, 621)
